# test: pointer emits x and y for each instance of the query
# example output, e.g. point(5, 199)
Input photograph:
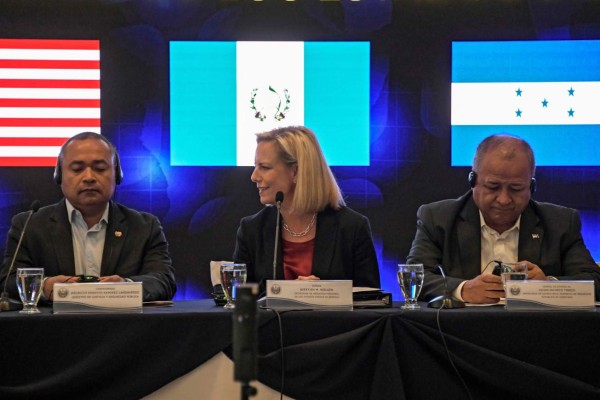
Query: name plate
point(309, 295)
point(550, 295)
point(101, 297)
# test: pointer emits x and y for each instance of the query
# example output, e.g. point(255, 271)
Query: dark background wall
point(200, 207)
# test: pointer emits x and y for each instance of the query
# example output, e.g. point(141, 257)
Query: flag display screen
point(546, 92)
point(222, 93)
point(49, 91)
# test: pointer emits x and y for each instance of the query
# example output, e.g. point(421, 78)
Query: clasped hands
point(488, 288)
point(50, 281)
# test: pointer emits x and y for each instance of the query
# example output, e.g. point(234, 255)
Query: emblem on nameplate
point(275, 289)
point(515, 290)
point(63, 292)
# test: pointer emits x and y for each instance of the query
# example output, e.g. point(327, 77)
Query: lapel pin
point(535, 235)
point(118, 234)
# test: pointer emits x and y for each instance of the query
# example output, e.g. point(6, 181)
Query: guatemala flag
point(223, 93)
point(546, 92)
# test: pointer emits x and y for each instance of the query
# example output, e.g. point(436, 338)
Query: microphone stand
point(278, 200)
point(6, 304)
point(445, 300)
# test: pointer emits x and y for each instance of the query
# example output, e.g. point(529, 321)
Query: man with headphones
point(497, 220)
point(87, 235)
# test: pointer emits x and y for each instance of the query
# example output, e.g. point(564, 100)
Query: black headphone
point(473, 180)
point(81, 136)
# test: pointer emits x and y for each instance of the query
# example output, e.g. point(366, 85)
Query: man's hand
point(112, 278)
point(50, 281)
point(533, 271)
point(485, 288)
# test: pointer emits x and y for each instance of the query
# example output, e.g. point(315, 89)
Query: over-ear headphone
point(82, 136)
point(473, 181)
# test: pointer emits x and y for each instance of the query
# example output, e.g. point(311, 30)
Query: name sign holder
point(332, 295)
point(101, 297)
point(550, 295)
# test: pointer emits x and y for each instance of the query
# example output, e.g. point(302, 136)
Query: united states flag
point(49, 91)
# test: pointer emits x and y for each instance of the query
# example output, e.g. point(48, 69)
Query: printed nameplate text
point(309, 295)
point(550, 295)
point(100, 297)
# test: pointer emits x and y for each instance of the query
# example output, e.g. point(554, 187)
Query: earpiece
point(472, 178)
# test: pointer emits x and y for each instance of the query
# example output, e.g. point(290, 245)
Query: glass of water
point(410, 279)
point(513, 272)
point(232, 275)
point(29, 283)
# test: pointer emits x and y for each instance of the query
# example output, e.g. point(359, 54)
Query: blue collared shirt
point(88, 244)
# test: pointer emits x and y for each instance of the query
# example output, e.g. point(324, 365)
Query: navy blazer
point(135, 247)
point(449, 233)
point(343, 247)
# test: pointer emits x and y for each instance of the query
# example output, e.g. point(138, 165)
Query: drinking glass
point(410, 279)
point(232, 275)
point(513, 272)
point(29, 283)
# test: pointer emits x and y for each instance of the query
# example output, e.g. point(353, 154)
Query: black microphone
point(445, 300)
point(5, 303)
point(278, 201)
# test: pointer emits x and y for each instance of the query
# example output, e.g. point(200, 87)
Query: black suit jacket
point(449, 233)
point(343, 247)
point(135, 248)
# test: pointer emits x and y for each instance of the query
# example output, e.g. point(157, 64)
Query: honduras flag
point(546, 92)
point(223, 93)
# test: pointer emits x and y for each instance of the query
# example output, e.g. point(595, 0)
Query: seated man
point(498, 220)
point(88, 234)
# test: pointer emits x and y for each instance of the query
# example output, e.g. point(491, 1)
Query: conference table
point(386, 353)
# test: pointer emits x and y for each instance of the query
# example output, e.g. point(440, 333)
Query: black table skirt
point(361, 354)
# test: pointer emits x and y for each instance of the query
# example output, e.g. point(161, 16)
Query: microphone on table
point(6, 304)
point(445, 300)
point(278, 201)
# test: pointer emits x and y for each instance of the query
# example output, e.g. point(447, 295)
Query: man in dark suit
point(86, 233)
point(498, 220)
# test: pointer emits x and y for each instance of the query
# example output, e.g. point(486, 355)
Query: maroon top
point(297, 258)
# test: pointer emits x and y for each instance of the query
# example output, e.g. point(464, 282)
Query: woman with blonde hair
point(320, 237)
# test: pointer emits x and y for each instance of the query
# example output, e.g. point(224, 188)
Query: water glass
point(232, 275)
point(513, 272)
point(29, 283)
point(410, 279)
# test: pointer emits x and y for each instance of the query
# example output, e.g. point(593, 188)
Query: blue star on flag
point(571, 91)
point(545, 103)
point(519, 91)
point(519, 112)
point(571, 112)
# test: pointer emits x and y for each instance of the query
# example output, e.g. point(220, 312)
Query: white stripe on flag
point(49, 73)
point(29, 151)
point(24, 132)
point(499, 104)
point(41, 112)
point(260, 65)
point(27, 93)
point(51, 54)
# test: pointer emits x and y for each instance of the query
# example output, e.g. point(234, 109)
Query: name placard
point(309, 295)
point(550, 295)
point(101, 297)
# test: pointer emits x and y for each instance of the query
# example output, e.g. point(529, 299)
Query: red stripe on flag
point(27, 161)
point(32, 141)
point(50, 44)
point(51, 122)
point(50, 64)
point(50, 83)
point(61, 103)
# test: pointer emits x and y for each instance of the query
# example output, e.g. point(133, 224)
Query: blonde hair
point(316, 187)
